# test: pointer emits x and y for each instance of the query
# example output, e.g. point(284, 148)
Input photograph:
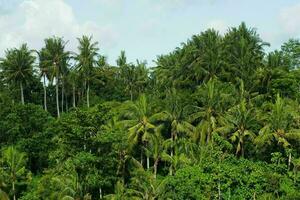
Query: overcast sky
point(144, 28)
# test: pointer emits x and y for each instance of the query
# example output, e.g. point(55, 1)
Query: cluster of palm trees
point(172, 134)
point(70, 72)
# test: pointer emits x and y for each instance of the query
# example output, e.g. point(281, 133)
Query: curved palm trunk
point(22, 93)
point(45, 94)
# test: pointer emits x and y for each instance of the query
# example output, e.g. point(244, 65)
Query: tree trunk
point(289, 161)
point(45, 94)
point(67, 105)
point(100, 193)
point(148, 162)
point(74, 100)
point(14, 190)
point(155, 167)
point(22, 93)
point(62, 96)
point(57, 100)
point(88, 95)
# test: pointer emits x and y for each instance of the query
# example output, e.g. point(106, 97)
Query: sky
point(143, 28)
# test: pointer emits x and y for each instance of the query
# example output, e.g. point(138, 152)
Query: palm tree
point(44, 72)
point(144, 185)
point(120, 192)
point(140, 120)
point(206, 55)
point(56, 58)
point(277, 128)
point(243, 54)
point(14, 165)
point(86, 61)
point(155, 148)
point(176, 118)
point(212, 98)
point(18, 66)
point(241, 119)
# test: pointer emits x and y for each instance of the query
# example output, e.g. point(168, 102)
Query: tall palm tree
point(56, 58)
point(176, 118)
point(86, 61)
point(44, 72)
point(140, 120)
point(18, 66)
point(14, 165)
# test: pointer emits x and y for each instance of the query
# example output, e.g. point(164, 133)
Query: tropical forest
point(216, 118)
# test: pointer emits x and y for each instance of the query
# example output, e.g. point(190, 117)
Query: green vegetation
point(217, 118)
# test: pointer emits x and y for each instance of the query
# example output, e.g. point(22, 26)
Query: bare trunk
point(67, 105)
point(45, 94)
point(22, 93)
point(100, 193)
point(289, 161)
point(57, 100)
point(88, 95)
point(14, 190)
point(148, 162)
point(141, 157)
point(62, 96)
point(131, 95)
point(219, 190)
point(155, 167)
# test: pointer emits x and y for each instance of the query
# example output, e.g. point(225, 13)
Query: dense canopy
point(217, 118)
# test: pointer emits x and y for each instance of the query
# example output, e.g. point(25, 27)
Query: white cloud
point(219, 25)
point(35, 20)
point(289, 19)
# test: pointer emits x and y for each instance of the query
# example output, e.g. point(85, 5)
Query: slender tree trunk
point(67, 105)
point(57, 100)
point(14, 190)
point(74, 97)
point(62, 96)
point(45, 94)
point(100, 193)
point(88, 95)
point(22, 93)
point(131, 95)
point(148, 162)
point(289, 160)
point(142, 157)
point(155, 167)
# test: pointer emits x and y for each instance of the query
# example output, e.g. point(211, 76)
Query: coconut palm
point(14, 165)
point(56, 58)
point(86, 61)
point(212, 98)
point(18, 66)
point(277, 126)
point(140, 120)
point(241, 119)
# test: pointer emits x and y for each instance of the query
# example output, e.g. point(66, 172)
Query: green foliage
point(217, 118)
